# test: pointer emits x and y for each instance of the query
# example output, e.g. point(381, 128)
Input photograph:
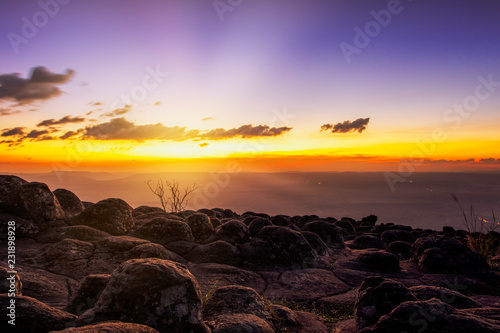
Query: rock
point(180, 247)
point(378, 262)
point(68, 256)
point(234, 232)
point(345, 299)
point(345, 225)
point(451, 297)
point(302, 285)
point(78, 232)
point(88, 293)
point(257, 224)
point(143, 218)
point(369, 220)
point(54, 290)
point(24, 228)
point(303, 220)
point(212, 276)
point(200, 225)
point(32, 316)
point(113, 216)
point(316, 242)
point(31, 201)
point(217, 252)
point(163, 231)
point(442, 254)
point(235, 299)
point(431, 316)
point(283, 316)
point(400, 249)
point(215, 222)
point(329, 233)
point(390, 236)
point(208, 212)
point(366, 242)
point(232, 323)
point(115, 327)
point(141, 210)
point(10, 282)
point(70, 203)
point(278, 245)
point(281, 220)
point(378, 297)
point(486, 300)
point(165, 297)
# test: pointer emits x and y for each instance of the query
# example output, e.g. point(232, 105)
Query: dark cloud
point(13, 131)
point(68, 135)
point(119, 112)
point(358, 125)
point(490, 161)
point(34, 134)
point(41, 85)
point(64, 120)
point(245, 131)
point(122, 129)
point(8, 112)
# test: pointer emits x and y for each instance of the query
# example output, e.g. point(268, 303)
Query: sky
point(265, 85)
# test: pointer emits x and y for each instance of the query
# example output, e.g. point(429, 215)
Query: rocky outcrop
point(88, 293)
point(163, 231)
point(158, 293)
point(200, 225)
point(234, 232)
point(114, 327)
point(217, 252)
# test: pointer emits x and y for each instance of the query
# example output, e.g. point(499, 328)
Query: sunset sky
point(271, 85)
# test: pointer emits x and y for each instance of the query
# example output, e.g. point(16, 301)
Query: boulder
point(33, 316)
point(392, 235)
point(31, 201)
point(68, 256)
point(281, 220)
point(316, 242)
point(257, 224)
point(158, 293)
point(378, 297)
point(70, 203)
point(278, 245)
point(378, 262)
point(366, 242)
point(233, 232)
point(329, 233)
point(451, 297)
point(163, 231)
point(88, 293)
point(113, 216)
point(401, 249)
point(115, 327)
point(431, 316)
point(78, 232)
point(443, 254)
point(217, 252)
point(24, 228)
point(200, 225)
point(235, 299)
point(240, 322)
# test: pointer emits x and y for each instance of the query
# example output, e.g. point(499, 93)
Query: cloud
point(358, 125)
point(34, 134)
point(204, 144)
point(245, 131)
point(208, 118)
point(42, 85)
point(68, 135)
point(13, 131)
point(8, 112)
point(490, 161)
point(122, 129)
point(157, 103)
point(119, 112)
point(64, 120)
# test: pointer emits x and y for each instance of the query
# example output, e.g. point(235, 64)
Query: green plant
point(206, 297)
point(177, 200)
point(481, 235)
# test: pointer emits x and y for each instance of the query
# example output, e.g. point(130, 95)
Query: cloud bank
point(358, 125)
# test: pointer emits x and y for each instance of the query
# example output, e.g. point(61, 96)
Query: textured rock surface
point(70, 203)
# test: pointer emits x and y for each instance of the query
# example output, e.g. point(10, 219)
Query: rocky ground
point(106, 267)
